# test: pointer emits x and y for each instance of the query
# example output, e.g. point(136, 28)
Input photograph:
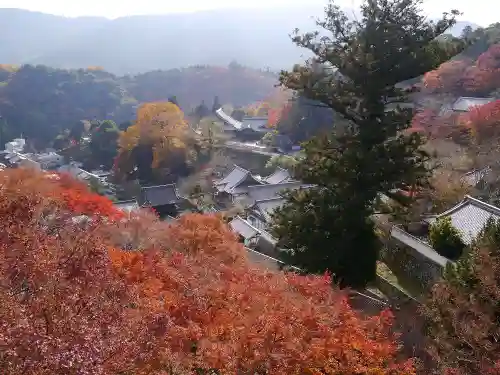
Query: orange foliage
point(9, 67)
point(484, 121)
point(424, 121)
point(276, 115)
point(63, 191)
point(447, 77)
point(160, 125)
point(78, 199)
point(271, 106)
point(187, 299)
point(463, 76)
point(490, 60)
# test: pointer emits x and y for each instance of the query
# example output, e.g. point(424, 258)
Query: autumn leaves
point(186, 299)
point(161, 131)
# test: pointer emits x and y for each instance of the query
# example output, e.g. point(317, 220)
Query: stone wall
point(415, 272)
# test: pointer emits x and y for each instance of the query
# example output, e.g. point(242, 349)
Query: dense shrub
point(446, 239)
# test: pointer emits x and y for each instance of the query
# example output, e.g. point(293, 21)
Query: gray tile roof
point(158, 195)
point(228, 119)
point(267, 207)
point(280, 175)
point(270, 191)
point(464, 104)
point(258, 124)
point(470, 217)
point(233, 179)
point(243, 228)
point(255, 123)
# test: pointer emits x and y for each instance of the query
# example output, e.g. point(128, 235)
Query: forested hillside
point(40, 102)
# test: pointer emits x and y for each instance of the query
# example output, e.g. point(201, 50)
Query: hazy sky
point(478, 11)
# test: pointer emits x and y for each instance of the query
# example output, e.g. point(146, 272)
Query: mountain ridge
point(140, 43)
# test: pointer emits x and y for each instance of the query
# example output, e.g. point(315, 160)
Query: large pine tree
point(357, 71)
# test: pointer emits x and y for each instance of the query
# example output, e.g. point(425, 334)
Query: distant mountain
point(457, 29)
point(256, 38)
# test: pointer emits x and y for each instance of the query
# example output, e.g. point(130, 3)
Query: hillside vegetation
point(185, 301)
point(40, 102)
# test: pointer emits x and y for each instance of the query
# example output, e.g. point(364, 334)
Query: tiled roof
point(158, 195)
point(470, 217)
point(258, 124)
point(279, 176)
point(243, 228)
point(228, 119)
point(233, 179)
point(265, 192)
point(267, 207)
point(464, 104)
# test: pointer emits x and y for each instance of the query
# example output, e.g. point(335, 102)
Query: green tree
point(201, 111)
point(355, 72)
point(173, 99)
point(216, 104)
point(461, 313)
point(305, 119)
point(283, 161)
point(238, 114)
point(446, 239)
point(76, 131)
point(103, 143)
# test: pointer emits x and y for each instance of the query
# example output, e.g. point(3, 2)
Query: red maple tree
point(446, 78)
point(483, 121)
point(275, 115)
point(186, 301)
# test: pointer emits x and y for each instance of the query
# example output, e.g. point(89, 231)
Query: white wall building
point(16, 145)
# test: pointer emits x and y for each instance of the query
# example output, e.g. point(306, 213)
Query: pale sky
point(479, 11)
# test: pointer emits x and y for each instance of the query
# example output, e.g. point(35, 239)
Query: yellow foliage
point(160, 125)
point(9, 67)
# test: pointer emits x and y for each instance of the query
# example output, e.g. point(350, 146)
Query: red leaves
point(59, 190)
point(490, 60)
point(447, 77)
point(484, 121)
point(275, 115)
point(185, 298)
point(424, 121)
point(466, 77)
point(78, 199)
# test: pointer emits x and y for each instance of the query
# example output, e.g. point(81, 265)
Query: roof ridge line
point(471, 200)
point(269, 199)
point(478, 202)
point(475, 97)
point(163, 185)
point(280, 183)
point(247, 222)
